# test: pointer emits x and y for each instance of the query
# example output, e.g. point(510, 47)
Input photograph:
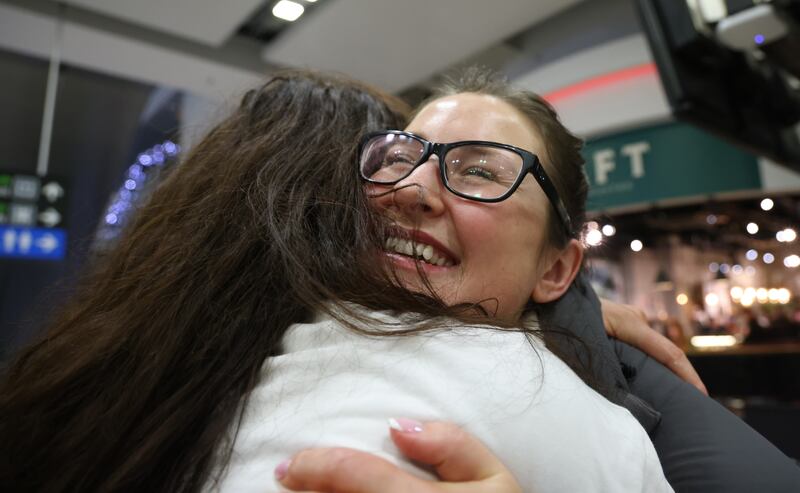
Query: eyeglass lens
point(478, 171)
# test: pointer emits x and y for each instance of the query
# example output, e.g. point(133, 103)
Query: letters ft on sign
point(605, 161)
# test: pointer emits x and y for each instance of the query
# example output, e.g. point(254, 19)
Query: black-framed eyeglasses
point(473, 169)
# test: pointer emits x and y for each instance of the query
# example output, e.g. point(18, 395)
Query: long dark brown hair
point(140, 381)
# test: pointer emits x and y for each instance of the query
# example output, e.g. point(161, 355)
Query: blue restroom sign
point(32, 243)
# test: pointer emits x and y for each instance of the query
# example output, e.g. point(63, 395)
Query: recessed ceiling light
point(287, 10)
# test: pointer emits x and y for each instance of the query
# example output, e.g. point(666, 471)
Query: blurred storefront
point(703, 238)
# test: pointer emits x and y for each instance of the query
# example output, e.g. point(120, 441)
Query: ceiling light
point(287, 10)
point(636, 245)
point(752, 228)
point(713, 341)
point(713, 10)
point(767, 204)
point(768, 258)
point(787, 235)
point(594, 237)
point(792, 261)
point(751, 255)
point(773, 295)
point(609, 230)
point(682, 299)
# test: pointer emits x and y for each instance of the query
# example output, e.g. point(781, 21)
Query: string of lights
point(147, 166)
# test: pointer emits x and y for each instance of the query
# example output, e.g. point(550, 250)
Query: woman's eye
point(480, 173)
point(394, 159)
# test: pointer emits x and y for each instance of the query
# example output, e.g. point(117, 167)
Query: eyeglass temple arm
point(552, 194)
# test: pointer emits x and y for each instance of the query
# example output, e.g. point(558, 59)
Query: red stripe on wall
point(604, 80)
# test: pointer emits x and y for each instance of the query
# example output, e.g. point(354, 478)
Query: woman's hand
point(463, 464)
point(629, 324)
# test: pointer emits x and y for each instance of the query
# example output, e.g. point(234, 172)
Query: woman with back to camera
point(140, 385)
point(139, 382)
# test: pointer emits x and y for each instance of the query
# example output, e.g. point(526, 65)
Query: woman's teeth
point(416, 249)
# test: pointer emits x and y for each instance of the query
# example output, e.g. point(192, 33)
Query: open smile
point(408, 247)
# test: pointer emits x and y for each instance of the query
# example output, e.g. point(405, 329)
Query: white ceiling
point(395, 44)
point(210, 22)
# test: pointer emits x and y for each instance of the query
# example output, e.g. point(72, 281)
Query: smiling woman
point(482, 197)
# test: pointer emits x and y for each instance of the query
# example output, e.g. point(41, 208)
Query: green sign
point(664, 162)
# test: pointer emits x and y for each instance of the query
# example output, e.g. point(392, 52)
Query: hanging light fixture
point(663, 281)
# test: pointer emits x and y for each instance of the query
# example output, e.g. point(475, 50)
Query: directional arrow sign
point(32, 243)
point(47, 243)
point(50, 217)
point(52, 191)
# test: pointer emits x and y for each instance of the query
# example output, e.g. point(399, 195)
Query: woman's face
point(492, 252)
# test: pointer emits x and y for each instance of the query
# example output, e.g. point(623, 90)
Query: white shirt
point(333, 387)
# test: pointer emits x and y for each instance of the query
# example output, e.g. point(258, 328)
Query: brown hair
point(562, 161)
point(140, 382)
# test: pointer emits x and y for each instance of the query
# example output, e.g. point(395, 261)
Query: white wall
point(608, 108)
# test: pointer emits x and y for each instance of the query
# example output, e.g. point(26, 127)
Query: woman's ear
point(559, 274)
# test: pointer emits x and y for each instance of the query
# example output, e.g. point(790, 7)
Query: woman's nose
point(421, 191)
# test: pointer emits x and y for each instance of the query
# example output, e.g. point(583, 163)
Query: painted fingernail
point(405, 425)
point(283, 469)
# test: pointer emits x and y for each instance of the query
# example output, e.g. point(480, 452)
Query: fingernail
point(283, 469)
point(405, 425)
